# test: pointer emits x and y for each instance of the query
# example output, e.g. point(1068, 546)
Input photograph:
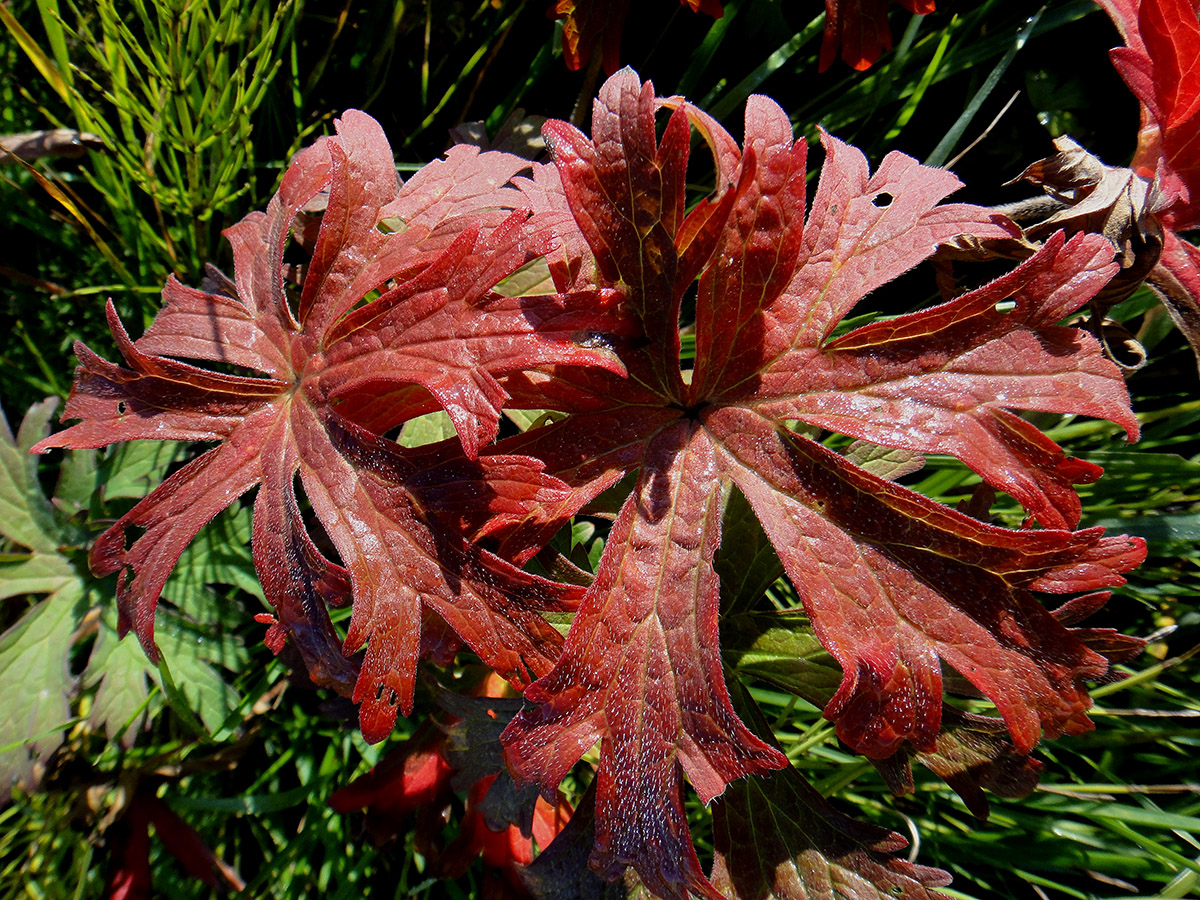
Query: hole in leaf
point(121, 407)
point(1006, 306)
point(882, 200)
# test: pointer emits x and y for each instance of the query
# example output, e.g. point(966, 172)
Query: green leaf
point(1164, 534)
point(76, 481)
point(886, 462)
point(426, 429)
point(26, 518)
point(746, 563)
point(38, 683)
point(34, 573)
point(120, 672)
point(781, 649)
point(220, 554)
point(133, 469)
point(193, 683)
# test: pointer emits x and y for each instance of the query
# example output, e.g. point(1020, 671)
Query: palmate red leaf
point(860, 30)
point(895, 584)
point(432, 249)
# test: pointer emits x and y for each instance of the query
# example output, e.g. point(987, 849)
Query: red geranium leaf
point(859, 28)
point(648, 624)
point(1161, 65)
point(588, 23)
point(950, 371)
point(1176, 281)
point(413, 779)
point(895, 584)
point(425, 257)
point(842, 532)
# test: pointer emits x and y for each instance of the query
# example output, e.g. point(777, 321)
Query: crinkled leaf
point(337, 373)
point(894, 583)
point(1103, 199)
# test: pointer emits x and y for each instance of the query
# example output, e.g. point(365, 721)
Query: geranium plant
point(359, 304)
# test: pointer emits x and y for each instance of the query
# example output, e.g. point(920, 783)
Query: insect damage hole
point(882, 200)
point(391, 698)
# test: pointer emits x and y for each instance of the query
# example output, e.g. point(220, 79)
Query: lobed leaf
point(394, 315)
point(895, 584)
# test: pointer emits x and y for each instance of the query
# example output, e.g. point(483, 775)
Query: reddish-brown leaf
point(778, 839)
point(588, 24)
point(895, 584)
point(337, 373)
point(859, 29)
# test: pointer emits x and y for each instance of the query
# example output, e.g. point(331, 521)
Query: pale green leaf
point(34, 573)
point(26, 517)
point(531, 279)
point(34, 707)
point(121, 671)
point(886, 462)
point(426, 429)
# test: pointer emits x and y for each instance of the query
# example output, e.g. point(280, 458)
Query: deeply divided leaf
point(394, 317)
point(896, 586)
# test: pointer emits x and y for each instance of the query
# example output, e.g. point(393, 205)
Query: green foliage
point(171, 88)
